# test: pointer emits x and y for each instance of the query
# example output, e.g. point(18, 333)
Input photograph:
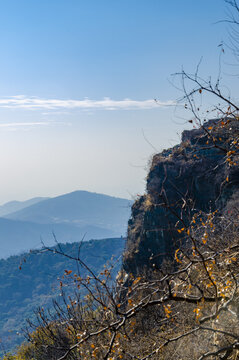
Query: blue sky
point(77, 83)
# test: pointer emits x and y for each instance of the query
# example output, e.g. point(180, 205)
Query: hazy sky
point(77, 83)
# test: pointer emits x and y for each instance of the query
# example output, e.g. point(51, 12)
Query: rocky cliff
point(198, 174)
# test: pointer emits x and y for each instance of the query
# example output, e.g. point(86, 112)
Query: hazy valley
point(67, 218)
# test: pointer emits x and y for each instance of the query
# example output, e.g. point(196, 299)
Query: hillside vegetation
point(33, 280)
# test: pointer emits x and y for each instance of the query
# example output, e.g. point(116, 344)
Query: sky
point(78, 81)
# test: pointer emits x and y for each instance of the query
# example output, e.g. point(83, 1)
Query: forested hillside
point(32, 280)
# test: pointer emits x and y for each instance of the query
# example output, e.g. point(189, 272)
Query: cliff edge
point(198, 174)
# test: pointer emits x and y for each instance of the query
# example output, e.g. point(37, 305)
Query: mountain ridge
point(68, 218)
point(15, 205)
point(19, 236)
point(79, 207)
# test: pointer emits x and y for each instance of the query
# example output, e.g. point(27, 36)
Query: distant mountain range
point(13, 206)
point(19, 236)
point(80, 208)
point(68, 217)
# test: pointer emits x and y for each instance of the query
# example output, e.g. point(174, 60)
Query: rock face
point(189, 177)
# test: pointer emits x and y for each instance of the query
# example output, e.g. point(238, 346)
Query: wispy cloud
point(14, 126)
point(23, 124)
point(31, 103)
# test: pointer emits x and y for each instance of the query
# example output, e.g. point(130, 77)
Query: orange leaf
point(176, 256)
point(68, 272)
